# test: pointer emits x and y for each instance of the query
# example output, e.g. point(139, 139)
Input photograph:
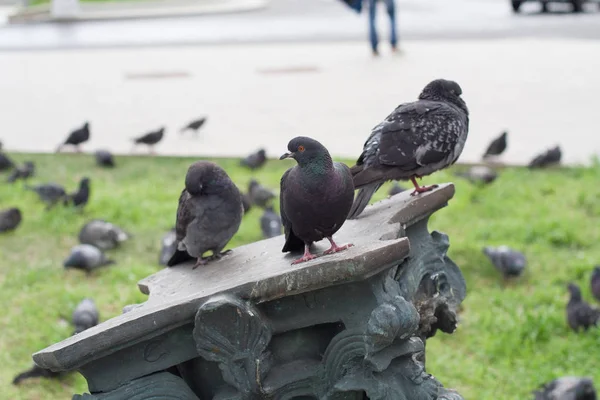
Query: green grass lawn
point(512, 336)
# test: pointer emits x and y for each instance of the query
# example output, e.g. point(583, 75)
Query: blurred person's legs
point(391, 10)
point(372, 28)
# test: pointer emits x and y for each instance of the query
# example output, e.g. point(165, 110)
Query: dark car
point(577, 4)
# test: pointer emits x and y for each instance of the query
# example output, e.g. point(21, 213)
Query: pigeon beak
point(287, 155)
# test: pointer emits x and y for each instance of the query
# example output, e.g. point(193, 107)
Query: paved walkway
point(544, 92)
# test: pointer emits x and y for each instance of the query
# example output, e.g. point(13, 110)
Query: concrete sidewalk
point(263, 95)
point(111, 10)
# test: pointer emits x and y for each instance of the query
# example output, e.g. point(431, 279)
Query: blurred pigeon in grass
point(35, 372)
point(260, 195)
point(395, 189)
point(579, 313)
point(104, 158)
point(81, 197)
point(546, 159)
point(168, 247)
point(194, 125)
point(255, 160)
point(76, 138)
point(497, 146)
point(24, 172)
point(316, 196)
point(209, 214)
point(10, 219)
point(5, 162)
point(102, 234)
point(49, 193)
point(150, 139)
point(246, 202)
point(509, 262)
point(415, 140)
point(595, 282)
point(567, 388)
point(479, 175)
point(86, 257)
point(85, 315)
point(270, 223)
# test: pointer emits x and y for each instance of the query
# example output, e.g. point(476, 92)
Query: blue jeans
point(391, 10)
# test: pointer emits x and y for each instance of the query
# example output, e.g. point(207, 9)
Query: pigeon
point(80, 198)
point(479, 175)
point(209, 214)
point(85, 315)
point(10, 219)
point(5, 162)
point(546, 159)
point(579, 313)
point(150, 139)
point(102, 234)
point(104, 158)
point(77, 137)
point(395, 189)
point(509, 262)
point(270, 223)
point(168, 247)
point(497, 146)
point(23, 172)
point(49, 193)
point(255, 160)
point(415, 140)
point(595, 282)
point(246, 202)
point(567, 388)
point(35, 372)
point(86, 257)
point(259, 195)
point(316, 196)
point(194, 125)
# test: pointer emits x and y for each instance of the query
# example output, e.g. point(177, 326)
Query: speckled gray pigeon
point(415, 140)
point(49, 193)
point(270, 223)
point(209, 214)
point(77, 137)
point(567, 388)
point(86, 257)
point(168, 245)
point(316, 196)
point(35, 372)
point(595, 282)
point(497, 146)
point(102, 234)
point(579, 313)
point(506, 260)
point(85, 315)
point(10, 219)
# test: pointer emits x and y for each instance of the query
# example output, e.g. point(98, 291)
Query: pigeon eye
point(300, 148)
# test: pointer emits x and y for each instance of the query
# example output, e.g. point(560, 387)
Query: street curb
point(137, 9)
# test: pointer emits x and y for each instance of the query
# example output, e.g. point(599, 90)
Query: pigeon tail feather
point(362, 199)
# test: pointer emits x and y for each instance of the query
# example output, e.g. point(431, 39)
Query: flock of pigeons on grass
point(317, 195)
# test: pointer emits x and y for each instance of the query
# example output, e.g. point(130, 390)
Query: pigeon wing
point(418, 134)
point(292, 242)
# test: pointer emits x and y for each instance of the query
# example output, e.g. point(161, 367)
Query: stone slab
point(258, 272)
